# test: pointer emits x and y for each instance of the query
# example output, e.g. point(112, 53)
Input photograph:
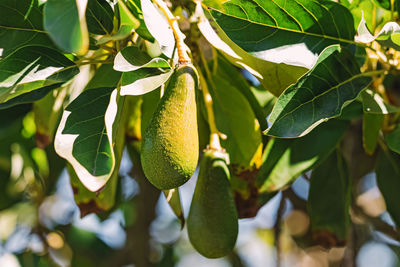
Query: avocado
point(212, 223)
point(170, 147)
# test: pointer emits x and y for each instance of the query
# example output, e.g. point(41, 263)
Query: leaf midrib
point(322, 36)
point(360, 75)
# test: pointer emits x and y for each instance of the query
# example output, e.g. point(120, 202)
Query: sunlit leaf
point(275, 77)
point(30, 68)
point(372, 124)
point(86, 135)
point(288, 28)
point(319, 95)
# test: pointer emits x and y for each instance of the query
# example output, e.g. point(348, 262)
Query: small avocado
point(170, 147)
point(212, 223)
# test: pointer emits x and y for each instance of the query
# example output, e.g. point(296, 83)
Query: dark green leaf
point(393, 139)
point(286, 159)
point(86, 135)
point(21, 24)
point(329, 199)
point(374, 103)
point(135, 7)
point(388, 178)
point(31, 68)
point(65, 22)
point(319, 95)
point(275, 76)
point(263, 27)
point(235, 118)
point(372, 124)
point(99, 17)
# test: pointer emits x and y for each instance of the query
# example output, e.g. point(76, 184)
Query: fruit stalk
point(184, 59)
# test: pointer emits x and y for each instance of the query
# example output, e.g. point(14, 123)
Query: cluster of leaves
point(88, 76)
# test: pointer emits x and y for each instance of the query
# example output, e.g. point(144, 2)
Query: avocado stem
point(214, 133)
point(183, 58)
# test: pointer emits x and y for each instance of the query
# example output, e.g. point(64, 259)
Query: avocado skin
point(170, 147)
point(213, 221)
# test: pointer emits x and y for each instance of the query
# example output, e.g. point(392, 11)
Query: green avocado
point(170, 147)
point(212, 223)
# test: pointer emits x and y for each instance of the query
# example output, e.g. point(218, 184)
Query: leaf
point(174, 200)
point(372, 124)
point(290, 28)
point(286, 159)
point(126, 17)
point(21, 25)
point(105, 76)
point(393, 140)
point(389, 36)
point(319, 95)
point(329, 200)
point(96, 202)
point(158, 27)
point(131, 58)
point(30, 68)
point(135, 7)
point(123, 32)
point(65, 22)
point(85, 136)
point(373, 103)
point(92, 202)
point(142, 73)
point(388, 179)
point(47, 113)
point(99, 17)
point(275, 77)
point(29, 97)
point(142, 81)
point(235, 118)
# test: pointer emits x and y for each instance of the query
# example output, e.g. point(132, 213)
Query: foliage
point(287, 89)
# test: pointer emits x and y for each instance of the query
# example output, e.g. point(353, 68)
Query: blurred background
point(39, 229)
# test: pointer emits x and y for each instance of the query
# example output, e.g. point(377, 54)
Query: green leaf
point(131, 58)
point(99, 17)
point(289, 28)
point(142, 73)
point(319, 95)
point(29, 97)
point(105, 76)
point(135, 7)
point(372, 124)
point(92, 202)
point(142, 81)
point(373, 103)
point(47, 113)
point(235, 118)
point(158, 27)
point(20, 25)
point(388, 179)
point(274, 76)
point(286, 159)
point(329, 200)
point(126, 17)
point(30, 68)
point(65, 22)
point(123, 32)
point(393, 139)
point(86, 135)
point(389, 36)
point(384, 4)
